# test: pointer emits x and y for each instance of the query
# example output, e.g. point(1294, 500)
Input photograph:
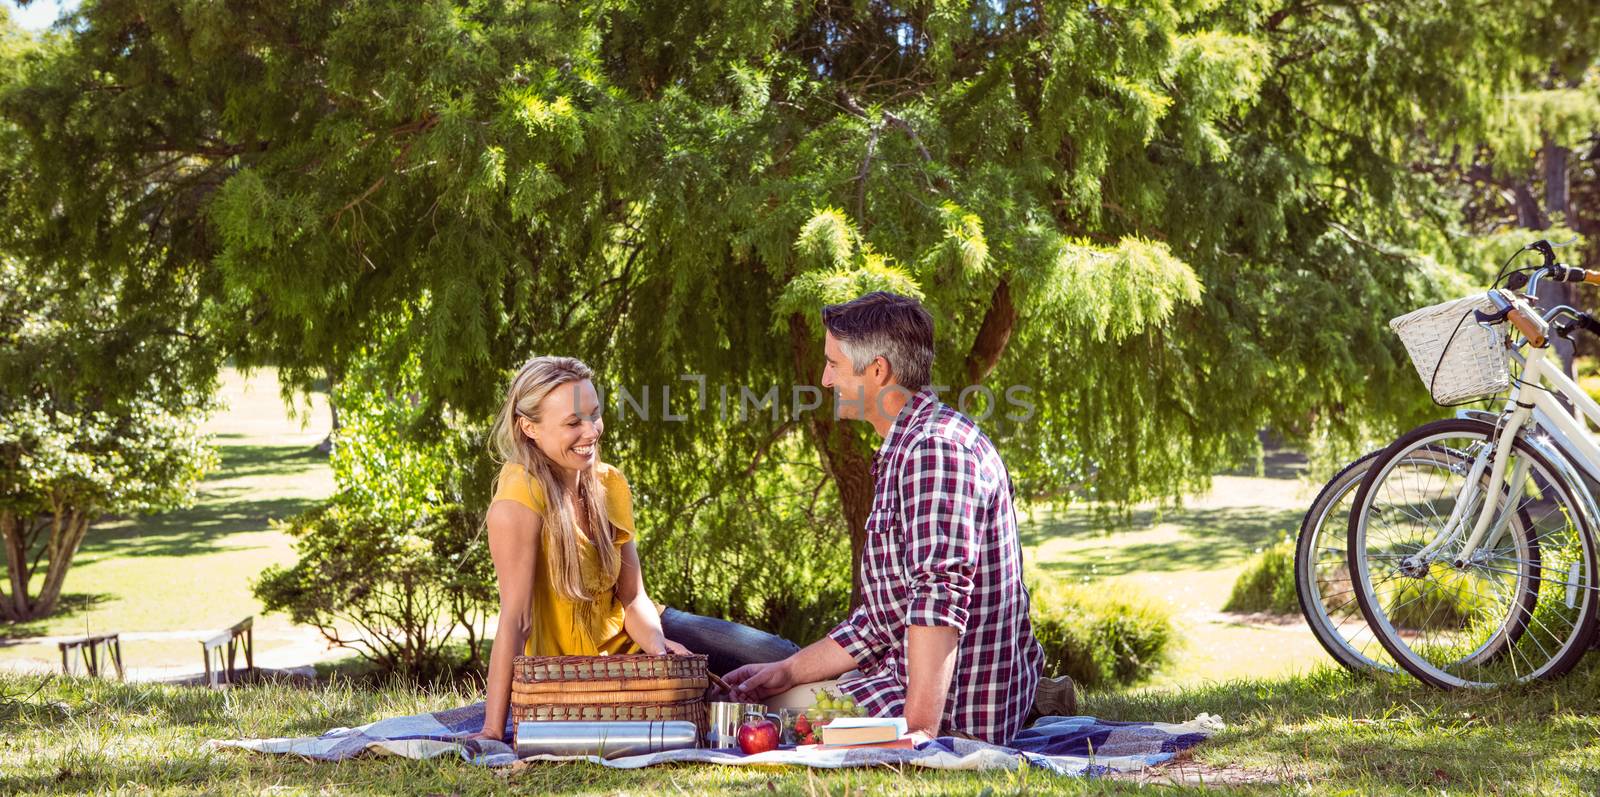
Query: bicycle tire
point(1504, 642)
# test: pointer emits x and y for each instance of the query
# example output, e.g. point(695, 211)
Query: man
point(942, 636)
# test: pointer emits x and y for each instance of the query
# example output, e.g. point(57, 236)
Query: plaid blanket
point(1063, 745)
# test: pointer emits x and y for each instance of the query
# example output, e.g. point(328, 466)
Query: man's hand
point(758, 681)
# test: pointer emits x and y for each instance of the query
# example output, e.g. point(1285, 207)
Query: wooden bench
point(88, 648)
point(229, 640)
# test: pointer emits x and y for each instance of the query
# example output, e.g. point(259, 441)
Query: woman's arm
point(514, 545)
point(639, 617)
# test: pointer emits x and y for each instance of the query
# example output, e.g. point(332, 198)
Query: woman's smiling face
point(569, 426)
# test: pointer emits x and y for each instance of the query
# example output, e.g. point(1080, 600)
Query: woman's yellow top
point(563, 627)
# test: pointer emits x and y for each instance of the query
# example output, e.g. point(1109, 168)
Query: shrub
point(767, 551)
point(1445, 600)
point(1267, 583)
point(393, 565)
point(1101, 640)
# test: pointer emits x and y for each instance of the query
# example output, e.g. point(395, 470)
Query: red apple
point(758, 736)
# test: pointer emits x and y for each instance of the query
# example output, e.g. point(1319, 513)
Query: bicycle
point(1471, 541)
point(1322, 580)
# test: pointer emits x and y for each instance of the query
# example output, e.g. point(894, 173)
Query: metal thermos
point(604, 739)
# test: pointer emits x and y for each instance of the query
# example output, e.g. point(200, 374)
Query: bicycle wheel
point(1521, 608)
point(1322, 576)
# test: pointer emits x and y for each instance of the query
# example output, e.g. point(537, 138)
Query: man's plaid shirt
point(942, 550)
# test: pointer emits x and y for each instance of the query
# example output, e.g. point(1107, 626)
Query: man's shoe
point(1056, 697)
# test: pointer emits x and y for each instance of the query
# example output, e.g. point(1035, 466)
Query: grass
point(1326, 730)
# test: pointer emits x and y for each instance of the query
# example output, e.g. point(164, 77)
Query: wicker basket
point(1473, 367)
point(591, 688)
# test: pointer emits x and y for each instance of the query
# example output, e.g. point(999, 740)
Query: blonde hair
point(532, 384)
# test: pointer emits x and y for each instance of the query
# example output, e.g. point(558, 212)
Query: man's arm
point(818, 661)
point(930, 662)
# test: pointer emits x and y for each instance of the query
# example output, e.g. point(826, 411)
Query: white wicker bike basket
point(1475, 364)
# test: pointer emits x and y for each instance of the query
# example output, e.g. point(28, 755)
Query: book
point(902, 743)
point(849, 731)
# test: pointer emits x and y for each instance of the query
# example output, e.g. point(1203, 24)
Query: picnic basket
point(599, 688)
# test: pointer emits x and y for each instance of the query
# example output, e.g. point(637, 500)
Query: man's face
point(851, 392)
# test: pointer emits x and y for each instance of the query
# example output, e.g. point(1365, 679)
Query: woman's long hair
point(533, 382)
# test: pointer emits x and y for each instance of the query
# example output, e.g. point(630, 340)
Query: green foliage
point(387, 592)
point(1443, 601)
point(1099, 639)
point(770, 555)
point(1267, 583)
point(1177, 223)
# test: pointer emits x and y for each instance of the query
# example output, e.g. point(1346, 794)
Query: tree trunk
point(14, 607)
point(1529, 214)
point(66, 535)
point(1527, 207)
point(1556, 182)
point(326, 446)
point(993, 334)
point(840, 449)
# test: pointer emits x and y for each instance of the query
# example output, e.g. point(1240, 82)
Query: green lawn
point(1325, 731)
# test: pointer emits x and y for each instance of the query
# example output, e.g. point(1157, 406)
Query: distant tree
point(91, 424)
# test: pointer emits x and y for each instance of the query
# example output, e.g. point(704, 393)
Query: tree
point(1176, 223)
point(89, 426)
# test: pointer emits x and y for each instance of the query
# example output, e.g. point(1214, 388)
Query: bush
point(1098, 639)
point(768, 551)
point(393, 565)
point(1445, 600)
point(1267, 583)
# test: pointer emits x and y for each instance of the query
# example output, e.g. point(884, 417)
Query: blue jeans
point(728, 646)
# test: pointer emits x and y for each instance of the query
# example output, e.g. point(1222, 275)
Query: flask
point(613, 739)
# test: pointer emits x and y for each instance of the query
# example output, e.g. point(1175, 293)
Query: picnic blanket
point(1063, 745)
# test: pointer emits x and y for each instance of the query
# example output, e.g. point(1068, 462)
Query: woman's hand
point(667, 646)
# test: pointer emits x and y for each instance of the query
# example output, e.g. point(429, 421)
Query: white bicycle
point(1471, 541)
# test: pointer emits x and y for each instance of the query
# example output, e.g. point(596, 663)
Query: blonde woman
point(561, 533)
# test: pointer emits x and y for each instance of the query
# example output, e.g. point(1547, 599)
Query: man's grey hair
point(882, 324)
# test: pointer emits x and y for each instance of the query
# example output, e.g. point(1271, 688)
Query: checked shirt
point(942, 550)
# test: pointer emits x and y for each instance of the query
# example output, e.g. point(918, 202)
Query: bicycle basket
point(1473, 367)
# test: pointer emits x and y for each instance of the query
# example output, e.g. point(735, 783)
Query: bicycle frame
point(1534, 396)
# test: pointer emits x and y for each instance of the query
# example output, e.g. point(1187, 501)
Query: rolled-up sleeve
point(938, 505)
point(855, 636)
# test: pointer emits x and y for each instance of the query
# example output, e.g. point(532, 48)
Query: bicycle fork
point(1488, 524)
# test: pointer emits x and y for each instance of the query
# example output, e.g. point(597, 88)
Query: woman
point(562, 537)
